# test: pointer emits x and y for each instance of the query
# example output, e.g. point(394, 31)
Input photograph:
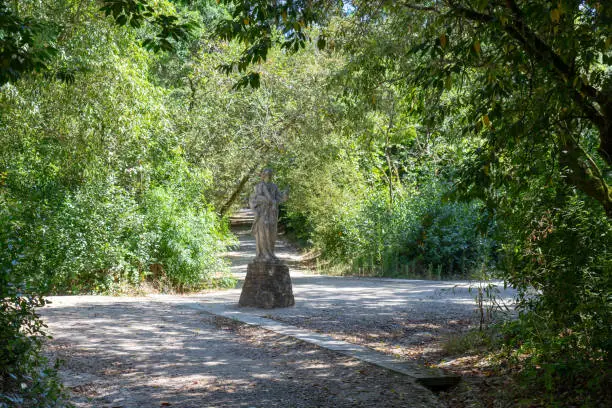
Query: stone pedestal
point(267, 285)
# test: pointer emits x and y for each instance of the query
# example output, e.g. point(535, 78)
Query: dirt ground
point(135, 352)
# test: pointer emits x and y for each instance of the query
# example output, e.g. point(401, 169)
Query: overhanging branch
point(594, 103)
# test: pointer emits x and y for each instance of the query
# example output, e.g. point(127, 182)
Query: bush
point(81, 242)
point(26, 379)
point(89, 242)
point(420, 234)
point(563, 336)
point(102, 237)
point(184, 243)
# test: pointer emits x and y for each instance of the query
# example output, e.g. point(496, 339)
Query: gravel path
point(138, 352)
point(406, 318)
point(153, 352)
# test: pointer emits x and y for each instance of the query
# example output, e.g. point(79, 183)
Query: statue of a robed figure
point(264, 202)
point(267, 284)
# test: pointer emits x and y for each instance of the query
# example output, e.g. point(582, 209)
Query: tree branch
point(421, 8)
point(584, 94)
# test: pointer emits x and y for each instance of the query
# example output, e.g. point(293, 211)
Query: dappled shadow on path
point(147, 353)
point(358, 299)
point(408, 318)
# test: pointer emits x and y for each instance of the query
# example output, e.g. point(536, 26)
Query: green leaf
point(121, 20)
point(481, 5)
point(321, 42)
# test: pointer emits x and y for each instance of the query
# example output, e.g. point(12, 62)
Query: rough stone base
point(267, 285)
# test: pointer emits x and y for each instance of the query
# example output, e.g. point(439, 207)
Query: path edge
point(431, 378)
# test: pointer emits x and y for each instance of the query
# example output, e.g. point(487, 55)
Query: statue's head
point(266, 174)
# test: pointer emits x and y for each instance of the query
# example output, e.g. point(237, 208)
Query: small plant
point(470, 341)
point(487, 302)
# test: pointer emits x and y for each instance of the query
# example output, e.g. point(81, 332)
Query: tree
point(25, 44)
point(522, 89)
point(502, 54)
point(29, 43)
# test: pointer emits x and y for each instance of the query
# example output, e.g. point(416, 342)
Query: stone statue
point(267, 283)
point(264, 201)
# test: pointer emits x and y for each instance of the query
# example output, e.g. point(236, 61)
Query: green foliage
point(26, 378)
point(421, 235)
point(100, 237)
point(84, 245)
point(30, 43)
point(520, 74)
point(95, 191)
point(260, 25)
point(114, 161)
point(185, 243)
point(562, 262)
point(98, 189)
point(529, 144)
point(26, 44)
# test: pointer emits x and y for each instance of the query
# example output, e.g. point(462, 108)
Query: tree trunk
point(583, 173)
point(230, 201)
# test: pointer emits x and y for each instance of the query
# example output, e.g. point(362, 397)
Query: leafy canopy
point(525, 72)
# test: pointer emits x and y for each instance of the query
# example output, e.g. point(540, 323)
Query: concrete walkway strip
point(432, 378)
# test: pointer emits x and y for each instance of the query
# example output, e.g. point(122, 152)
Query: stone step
point(241, 222)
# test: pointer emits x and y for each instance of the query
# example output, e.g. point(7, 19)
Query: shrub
point(419, 234)
point(88, 243)
point(26, 378)
point(562, 338)
point(183, 241)
point(101, 237)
